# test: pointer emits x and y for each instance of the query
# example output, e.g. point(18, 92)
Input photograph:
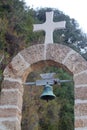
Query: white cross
point(49, 26)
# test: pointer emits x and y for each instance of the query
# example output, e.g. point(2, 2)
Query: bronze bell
point(47, 93)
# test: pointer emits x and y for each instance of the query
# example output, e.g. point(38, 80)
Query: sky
point(76, 9)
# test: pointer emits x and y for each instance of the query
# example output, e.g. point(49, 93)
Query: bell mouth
point(48, 97)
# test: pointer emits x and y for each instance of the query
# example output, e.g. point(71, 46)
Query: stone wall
point(15, 74)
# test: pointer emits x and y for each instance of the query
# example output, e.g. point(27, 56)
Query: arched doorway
point(22, 64)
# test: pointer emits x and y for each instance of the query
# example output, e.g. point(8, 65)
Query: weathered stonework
point(81, 93)
point(81, 79)
point(81, 109)
point(11, 97)
point(36, 57)
point(81, 123)
point(12, 85)
point(57, 53)
point(10, 124)
point(33, 54)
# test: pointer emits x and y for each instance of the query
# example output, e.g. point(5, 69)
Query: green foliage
point(55, 114)
point(15, 28)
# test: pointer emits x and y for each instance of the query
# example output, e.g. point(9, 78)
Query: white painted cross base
point(49, 26)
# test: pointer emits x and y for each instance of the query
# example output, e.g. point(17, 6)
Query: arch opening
point(35, 111)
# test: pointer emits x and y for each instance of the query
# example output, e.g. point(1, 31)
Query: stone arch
point(26, 61)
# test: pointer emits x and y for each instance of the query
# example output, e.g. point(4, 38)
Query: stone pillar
point(11, 105)
point(81, 101)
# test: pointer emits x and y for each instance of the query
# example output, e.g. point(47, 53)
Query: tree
point(15, 26)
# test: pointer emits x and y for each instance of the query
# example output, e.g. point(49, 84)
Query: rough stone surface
point(81, 109)
point(12, 85)
point(76, 63)
point(33, 54)
point(11, 98)
point(57, 52)
point(17, 67)
point(10, 112)
point(80, 79)
point(81, 93)
point(80, 123)
point(10, 125)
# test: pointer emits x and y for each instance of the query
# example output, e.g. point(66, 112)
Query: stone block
point(81, 93)
point(11, 98)
point(57, 52)
point(12, 85)
point(33, 54)
point(10, 125)
point(76, 63)
point(17, 67)
point(80, 123)
point(80, 79)
point(81, 109)
point(10, 112)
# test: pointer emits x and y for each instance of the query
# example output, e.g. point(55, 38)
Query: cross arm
point(59, 25)
point(38, 27)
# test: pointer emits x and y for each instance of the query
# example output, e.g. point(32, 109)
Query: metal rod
point(47, 81)
point(64, 81)
point(29, 83)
